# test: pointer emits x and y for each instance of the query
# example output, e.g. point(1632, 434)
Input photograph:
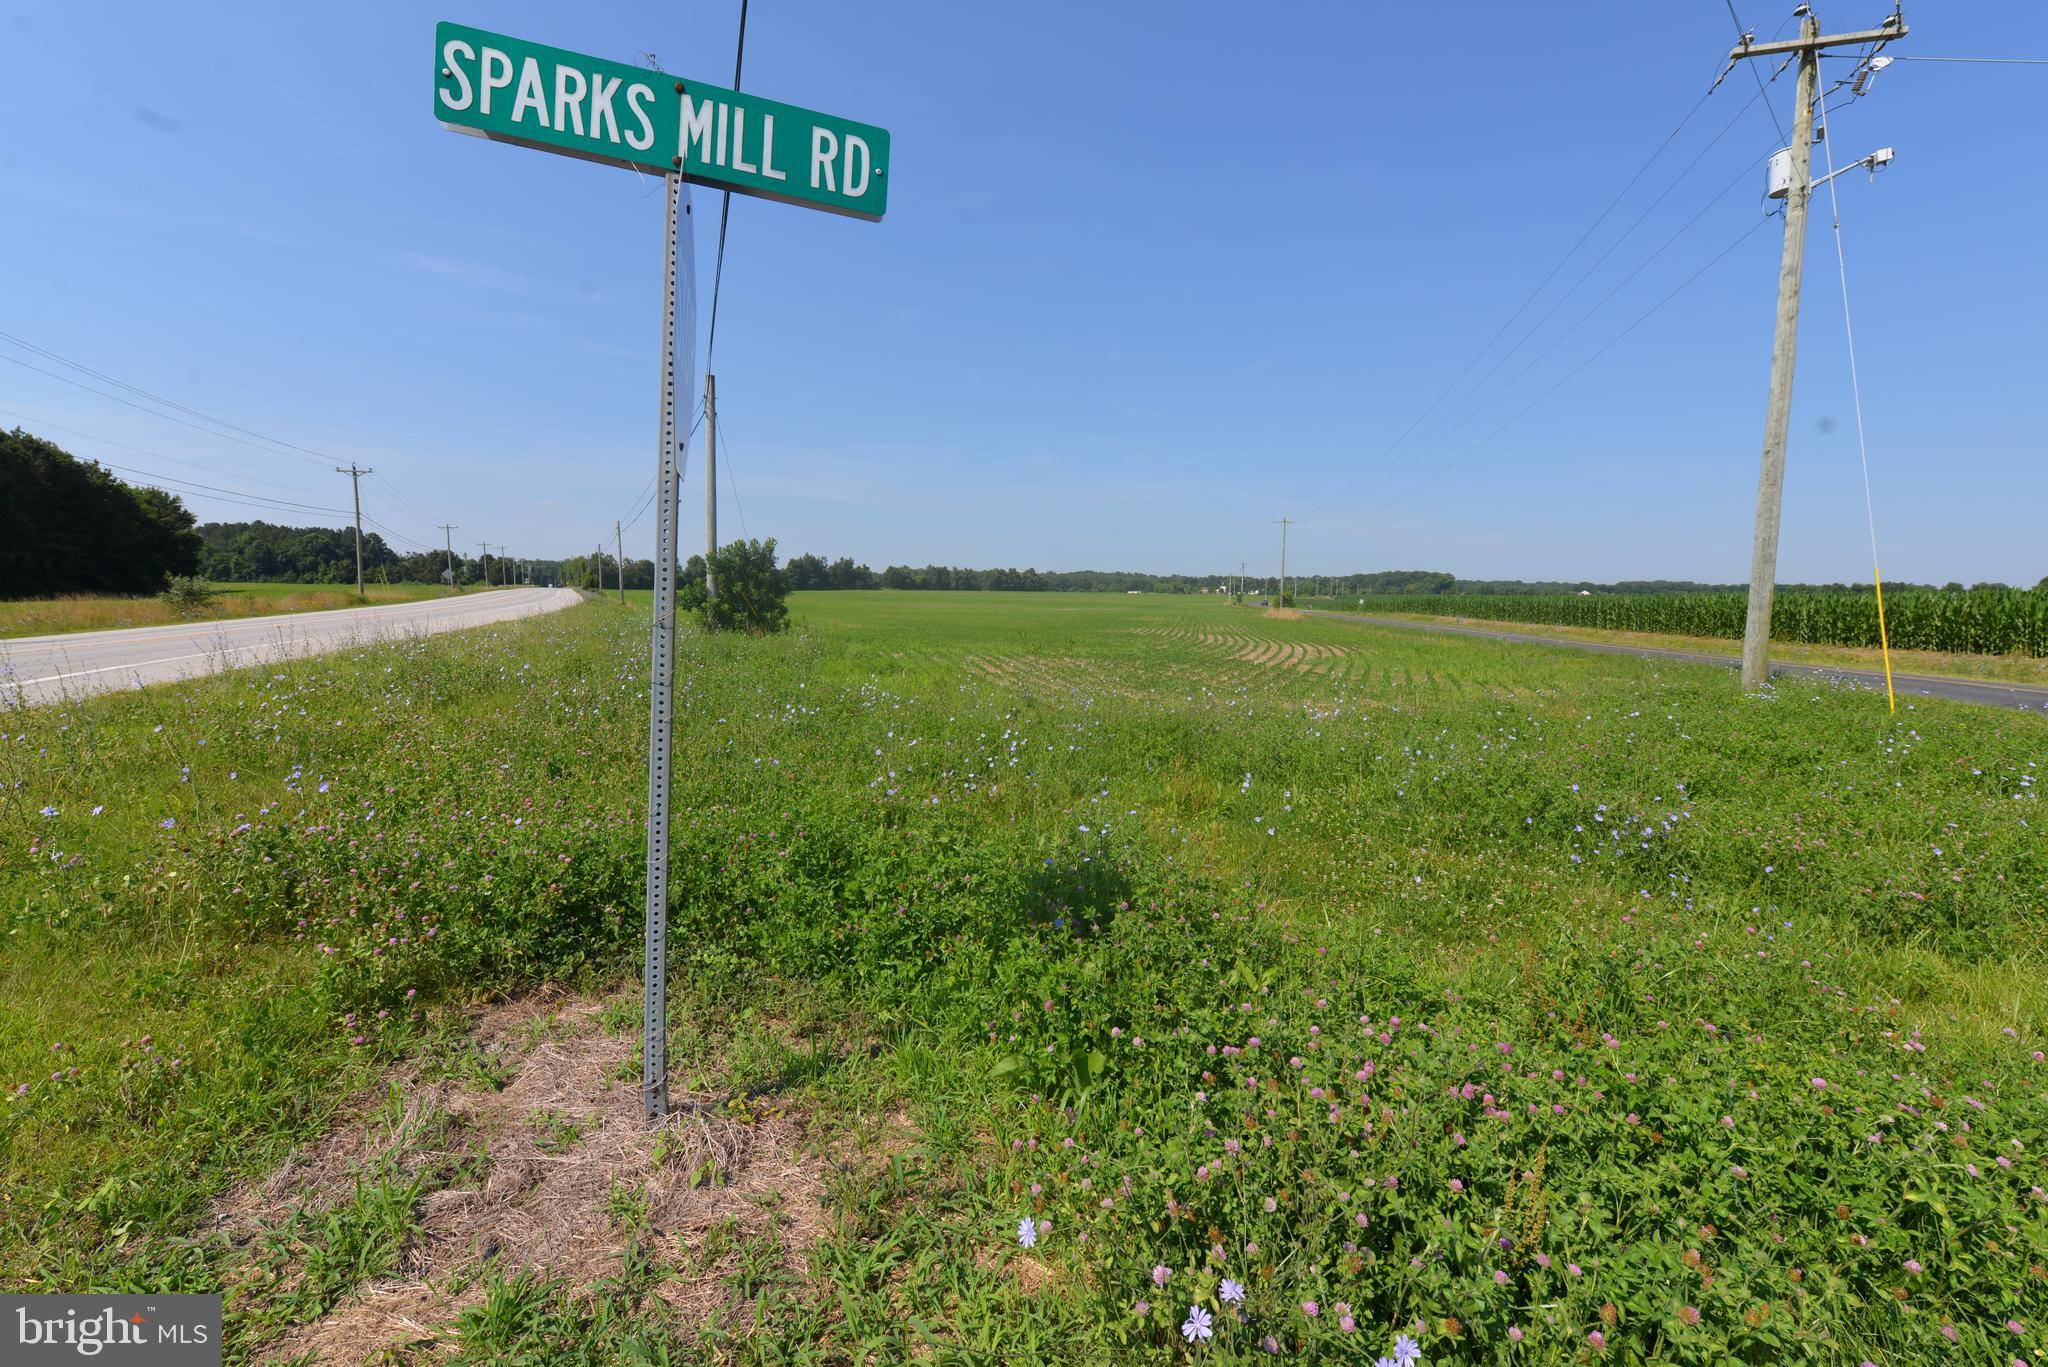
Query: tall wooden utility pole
point(448, 536)
point(710, 479)
point(355, 476)
point(1770, 485)
point(619, 553)
point(1283, 524)
point(484, 564)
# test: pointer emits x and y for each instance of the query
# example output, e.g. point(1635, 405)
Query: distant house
point(1133, 592)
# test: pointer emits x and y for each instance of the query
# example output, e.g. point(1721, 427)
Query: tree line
point(268, 553)
point(69, 526)
point(815, 572)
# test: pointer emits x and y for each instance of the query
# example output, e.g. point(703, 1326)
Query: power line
point(1988, 61)
point(725, 205)
point(230, 498)
point(399, 536)
point(142, 451)
point(1574, 371)
point(732, 481)
point(217, 489)
point(1743, 36)
point(1534, 361)
point(646, 499)
point(399, 494)
point(305, 453)
point(292, 450)
point(1541, 285)
point(167, 417)
point(1426, 442)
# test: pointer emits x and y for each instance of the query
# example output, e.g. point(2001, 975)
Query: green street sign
point(510, 90)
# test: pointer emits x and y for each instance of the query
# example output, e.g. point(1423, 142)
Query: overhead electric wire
point(1743, 35)
point(1422, 453)
point(142, 451)
point(732, 480)
point(399, 494)
point(1574, 371)
point(1429, 439)
point(167, 417)
point(1986, 61)
point(263, 442)
point(725, 205)
point(400, 536)
point(646, 498)
point(214, 489)
point(1400, 442)
point(230, 498)
point(293, 450)
point(640, 501)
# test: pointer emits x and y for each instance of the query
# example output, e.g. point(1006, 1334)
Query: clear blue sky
point(1151, 277)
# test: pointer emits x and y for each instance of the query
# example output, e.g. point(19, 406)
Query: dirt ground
point(546, 1153)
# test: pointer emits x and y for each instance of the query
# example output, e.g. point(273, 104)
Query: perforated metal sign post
point(509, 90)
point(678, 371)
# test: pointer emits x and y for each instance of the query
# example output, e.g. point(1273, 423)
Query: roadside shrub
point(188, 593)
point(750, 589)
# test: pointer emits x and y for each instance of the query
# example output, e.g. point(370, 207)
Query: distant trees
point(69, 526)
point(265, 552)
point(812, 572)
point(245, 552)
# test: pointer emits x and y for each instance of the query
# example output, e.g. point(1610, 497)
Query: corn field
point(1971, 621)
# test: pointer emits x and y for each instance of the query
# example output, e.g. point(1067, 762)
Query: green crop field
point(1969, 621)
point(1118, 979)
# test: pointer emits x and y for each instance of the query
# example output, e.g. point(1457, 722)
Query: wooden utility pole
point(1770, 486)
point(1283, 524)
point(448, 535)
point(710, 479)
point(619, 551)
point(484, 562)
point(355, 476)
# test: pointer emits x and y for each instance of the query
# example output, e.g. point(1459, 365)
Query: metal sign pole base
point(678, 367)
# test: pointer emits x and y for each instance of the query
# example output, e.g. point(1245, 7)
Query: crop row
point(1973, 621)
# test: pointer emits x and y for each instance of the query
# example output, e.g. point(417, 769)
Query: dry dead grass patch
point(554, 1151)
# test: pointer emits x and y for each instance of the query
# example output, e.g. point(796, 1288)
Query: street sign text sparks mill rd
point(511, 90)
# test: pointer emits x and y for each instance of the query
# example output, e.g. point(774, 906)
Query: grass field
point(93, 612)
point(1061, 975)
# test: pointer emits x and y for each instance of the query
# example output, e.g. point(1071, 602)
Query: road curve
point(44, 669)
point(1989, 693)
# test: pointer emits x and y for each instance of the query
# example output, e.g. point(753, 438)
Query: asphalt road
point(2019, 696)
point(44, 669)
